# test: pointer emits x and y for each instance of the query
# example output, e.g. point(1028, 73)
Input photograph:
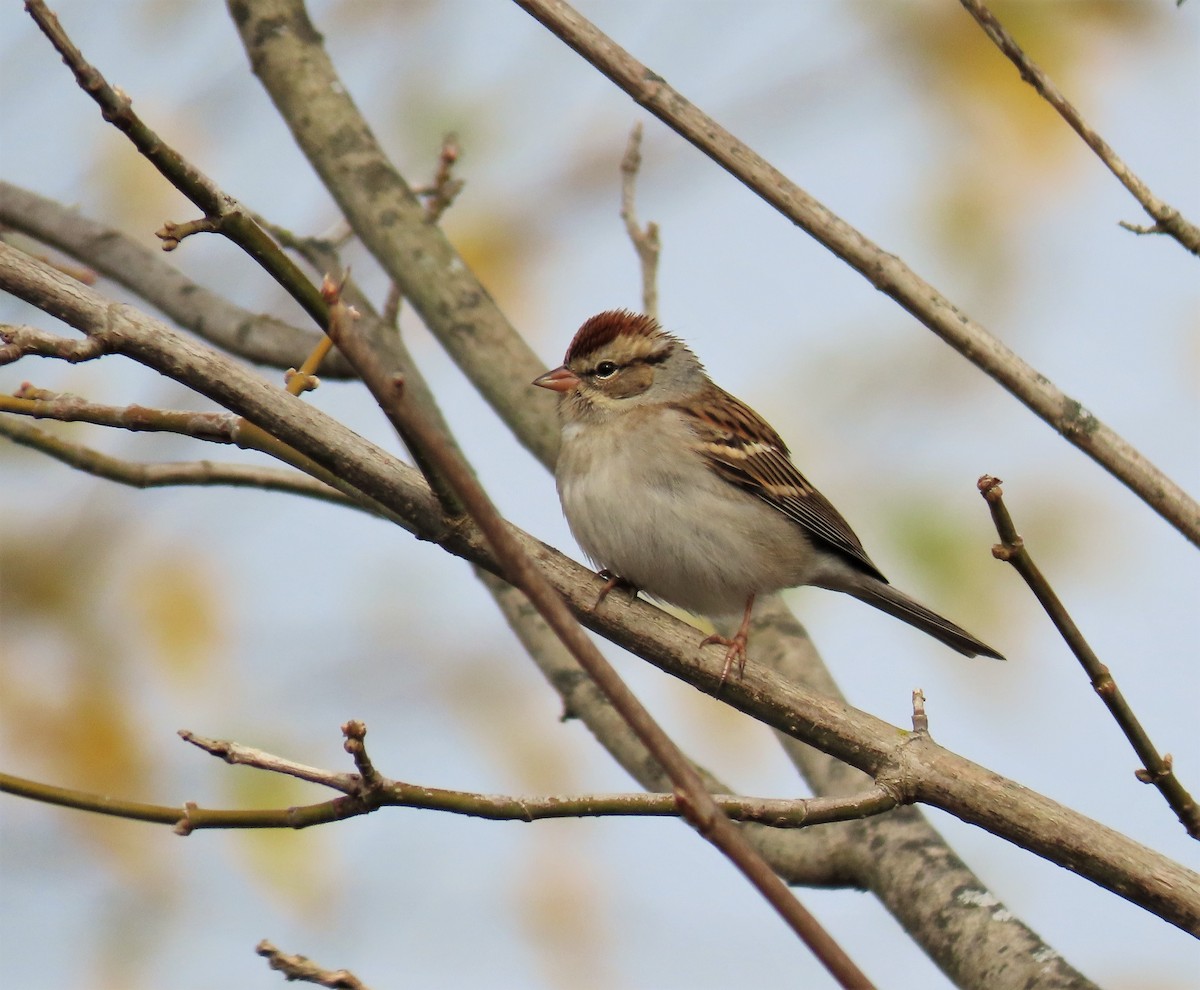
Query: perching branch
point(1156, 770)
point(519, 569)
point(929, 773)
point(1167, 219)
point(883, 270)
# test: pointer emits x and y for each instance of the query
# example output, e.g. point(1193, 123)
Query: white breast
point(643, 505)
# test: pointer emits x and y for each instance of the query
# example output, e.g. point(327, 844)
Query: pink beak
point(558, 380)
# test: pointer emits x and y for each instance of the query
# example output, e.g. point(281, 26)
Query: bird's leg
point(612, 581)
point(737, 645)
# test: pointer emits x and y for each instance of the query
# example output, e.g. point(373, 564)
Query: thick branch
point(287, 55)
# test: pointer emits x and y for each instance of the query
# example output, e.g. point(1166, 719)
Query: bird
point(676, 488)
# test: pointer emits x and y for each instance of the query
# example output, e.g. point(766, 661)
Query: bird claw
point(736, 644)
point(735, 653)
point(612, 581)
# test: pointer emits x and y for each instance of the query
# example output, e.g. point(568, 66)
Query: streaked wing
point(743, 449)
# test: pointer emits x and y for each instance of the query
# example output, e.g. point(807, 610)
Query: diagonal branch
point(306, 971)
point(1167, 219)
point(883, 270)
point(519, 569)
point(1157, 770)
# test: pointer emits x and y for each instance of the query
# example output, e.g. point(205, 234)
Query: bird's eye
point(606, 369)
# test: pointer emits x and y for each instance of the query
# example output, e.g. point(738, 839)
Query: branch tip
point(920, 721)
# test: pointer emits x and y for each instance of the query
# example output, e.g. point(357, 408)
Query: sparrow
point(679, 489)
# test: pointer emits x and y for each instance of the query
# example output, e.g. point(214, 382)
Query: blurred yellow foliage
point(178, 607)
point(295, 869)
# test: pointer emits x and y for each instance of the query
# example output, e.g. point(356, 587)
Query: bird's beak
point(559, 380)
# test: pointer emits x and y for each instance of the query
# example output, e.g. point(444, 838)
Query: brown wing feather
point(743, 448)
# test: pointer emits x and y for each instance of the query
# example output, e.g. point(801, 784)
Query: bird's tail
point(897, 603)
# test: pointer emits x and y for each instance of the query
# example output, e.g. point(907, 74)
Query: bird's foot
point(612, 582)
point(735, 654)
point(736, 644)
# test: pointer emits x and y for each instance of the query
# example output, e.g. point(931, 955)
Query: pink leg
point(737, 645)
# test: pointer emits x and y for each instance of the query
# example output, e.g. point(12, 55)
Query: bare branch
point(290, 61)
point(307, 971)
point(931, 774)
point(1167, 219)
point(883, 270)
point(22, 341)
point(138, 475)
point(1157, 770)
point(222, 213)
point(645, 240)
point(122, 259)
point(441, 193)
point(519, 569)
point(214, 427)
point(368, 790)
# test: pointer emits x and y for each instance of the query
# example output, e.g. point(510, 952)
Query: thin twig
point(123, 259)
point(520, 570)
point(304, 969)
point(163, 475)
point(22, 341)
point(368, 790)
point(222, 213)
point(645, 240)
point(1167, 219)
point(213, 427)
point(1156, 769)
point(440, 194)
point(883, 270)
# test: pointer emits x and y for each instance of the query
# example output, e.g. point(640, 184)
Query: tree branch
point(644, 239)
point(138, 475)
point(1167, 219)
point(262, 339)
point(883, 270)
point(287, 55)
point(222, 213)
point(361, 798)
point(1157, 770)
point(519, 569)
point(931, 775)
point(304, 969)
